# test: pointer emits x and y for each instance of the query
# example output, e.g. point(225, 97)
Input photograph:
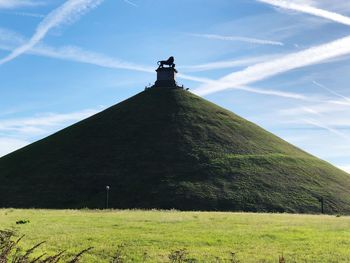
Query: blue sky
point(281, 64)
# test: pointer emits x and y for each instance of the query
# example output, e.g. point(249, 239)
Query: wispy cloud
point(331, 91)
point(346, 168)
point(226, 63)
point(9, 39)
point(77, 54)
point(10, 4)
point(308, 10)
point(130, 3)
point(8, 144)
point(330, 108)
point(324, 116)
point(288, 62)
point(239, 38)
point(68, 12)
point(278, 93)
point(280, 65)
point(328, 128)
point(43, 123)
point(25, 130)
point(270, 92)
point(27, 14)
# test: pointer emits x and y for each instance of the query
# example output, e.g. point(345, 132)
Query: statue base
point(166, 77)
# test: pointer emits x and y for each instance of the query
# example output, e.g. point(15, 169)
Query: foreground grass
point(150, 236)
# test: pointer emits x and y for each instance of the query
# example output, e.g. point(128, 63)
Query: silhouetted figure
point(169, 62)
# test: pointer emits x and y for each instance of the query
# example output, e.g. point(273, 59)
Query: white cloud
point(19, 3)
point(8, 145)
point(328, 128)
point(226, 63)
point(321, 107)
point(79, 55)
point(69, 11)
point(241, 39)
point(305, 8)
point(331, 117)
point(27, 14)
point(333, 112)
point(270, 92)
point(331, 91)
point(278, 93)
point(130, 3)
point(18, 132)
point(288, 62)
point(280, 65)
point(332, 149)
point(9, 38)
point(43, 123)
point(345, 168)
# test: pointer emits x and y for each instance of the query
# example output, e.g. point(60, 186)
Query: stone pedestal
point(166, 78)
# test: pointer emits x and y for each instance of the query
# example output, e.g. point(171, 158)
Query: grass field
point(207, 236)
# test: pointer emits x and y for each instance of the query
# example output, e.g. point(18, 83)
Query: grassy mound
point(167, 148)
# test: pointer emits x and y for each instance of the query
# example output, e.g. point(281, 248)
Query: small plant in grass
point(22, 222)
point(233, 257)
point(11, 252)
point(145, 257)
point(180, 256)
point(281, 259)
point(119, 256)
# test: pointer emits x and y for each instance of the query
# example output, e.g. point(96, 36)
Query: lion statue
point(169, 62)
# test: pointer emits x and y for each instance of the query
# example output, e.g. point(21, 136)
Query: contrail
point(70, 10)
point(88, 57)
point(277, 66)
point(130, 3)
point(238, 38)
point(19, 3)
point(277, 93)
point(309, 10)
point(227, 63)
point(331, 91)
point(330, 129)
point(77, 54)
point(24, 14)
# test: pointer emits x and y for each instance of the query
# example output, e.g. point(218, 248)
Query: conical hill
point(167, 148)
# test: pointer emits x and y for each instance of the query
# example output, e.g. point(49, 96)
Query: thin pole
point(321, 200)
point(107, 196)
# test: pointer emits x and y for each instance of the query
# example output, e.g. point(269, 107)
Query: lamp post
point(107, 195)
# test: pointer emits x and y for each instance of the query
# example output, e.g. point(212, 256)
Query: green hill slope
point(167, 148)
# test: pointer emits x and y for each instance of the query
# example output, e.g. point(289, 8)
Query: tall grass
point(10, 251)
